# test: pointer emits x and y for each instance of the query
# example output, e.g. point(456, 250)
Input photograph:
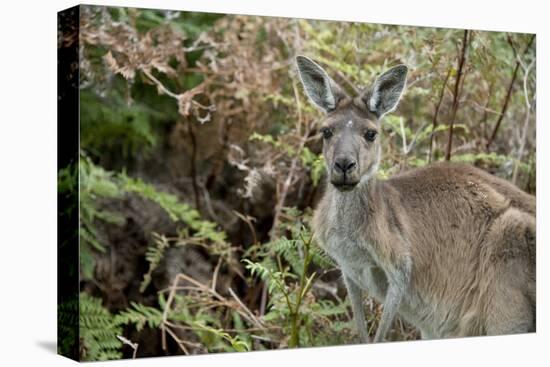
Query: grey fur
point(450, 248)
point(320, 88)
point(387, 90)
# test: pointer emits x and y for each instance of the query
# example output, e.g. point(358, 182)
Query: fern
point(177, 210)
point(95, 183)
point(320, 258)
point(327, 307)
point(284, 264)
point(275, 279)
point(139, 315)
point(203, 230)
point(154, 255)
point(289, 250)
point(67, 324)
point(204, 324)
point(236, 342)
point(98, 332)
point(98, 183)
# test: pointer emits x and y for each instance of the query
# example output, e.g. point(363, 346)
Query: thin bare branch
point(456, 92)
point(525, 123)
point(258, 323)
point(436, 113)
point(508, 92)
point(128, 342)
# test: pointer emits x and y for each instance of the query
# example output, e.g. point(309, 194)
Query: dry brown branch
point(174, 336)
point(248, 220)
point(456, 92)
point(162, 89)
point(258, 323)
point(219, 301)
point(215, 275)
point(229, 330)
point(132, 345)
point(193, 161)
point(436, 113)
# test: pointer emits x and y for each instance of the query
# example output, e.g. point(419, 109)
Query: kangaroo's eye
point(327, 133)
point(370, 135)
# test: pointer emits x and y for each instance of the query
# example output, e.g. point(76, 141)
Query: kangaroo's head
point(351, 146)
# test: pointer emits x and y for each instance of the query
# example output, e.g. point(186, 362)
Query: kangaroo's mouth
point(345, 185)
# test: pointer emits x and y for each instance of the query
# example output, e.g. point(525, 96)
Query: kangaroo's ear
point(320, 88)
point(386, 91)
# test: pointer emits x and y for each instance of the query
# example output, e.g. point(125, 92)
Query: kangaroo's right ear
point(320, 88)
point(387, 91)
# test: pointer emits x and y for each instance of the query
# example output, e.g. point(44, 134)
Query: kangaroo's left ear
point(387, 90)
point(319, 87)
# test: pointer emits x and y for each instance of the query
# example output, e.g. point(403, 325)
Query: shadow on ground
point(48, 345)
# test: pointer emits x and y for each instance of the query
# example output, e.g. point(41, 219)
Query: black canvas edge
point(68, 79)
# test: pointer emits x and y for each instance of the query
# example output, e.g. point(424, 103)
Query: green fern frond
point(98, 332)
point(139, 315)
point(95, 183)
point(154, 255)
point(289, 251)
point(320, 258)
point(177, 210)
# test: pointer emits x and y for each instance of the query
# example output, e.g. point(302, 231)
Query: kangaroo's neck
point(351, 208)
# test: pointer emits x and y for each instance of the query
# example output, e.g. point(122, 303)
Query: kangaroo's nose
point(344, 164)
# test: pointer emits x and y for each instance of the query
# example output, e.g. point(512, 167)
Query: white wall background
point(28, 181)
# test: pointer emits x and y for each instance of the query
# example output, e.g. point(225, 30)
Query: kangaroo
point(448, 247)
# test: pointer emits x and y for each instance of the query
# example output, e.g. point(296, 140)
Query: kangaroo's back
point(472, 238)
point(452, 176)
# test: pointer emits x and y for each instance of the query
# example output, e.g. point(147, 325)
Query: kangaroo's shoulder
point(445, 173)
point(455, 178)
point(438, 177)
point(440, 171)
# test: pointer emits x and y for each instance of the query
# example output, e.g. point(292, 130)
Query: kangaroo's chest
point(356, 260)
